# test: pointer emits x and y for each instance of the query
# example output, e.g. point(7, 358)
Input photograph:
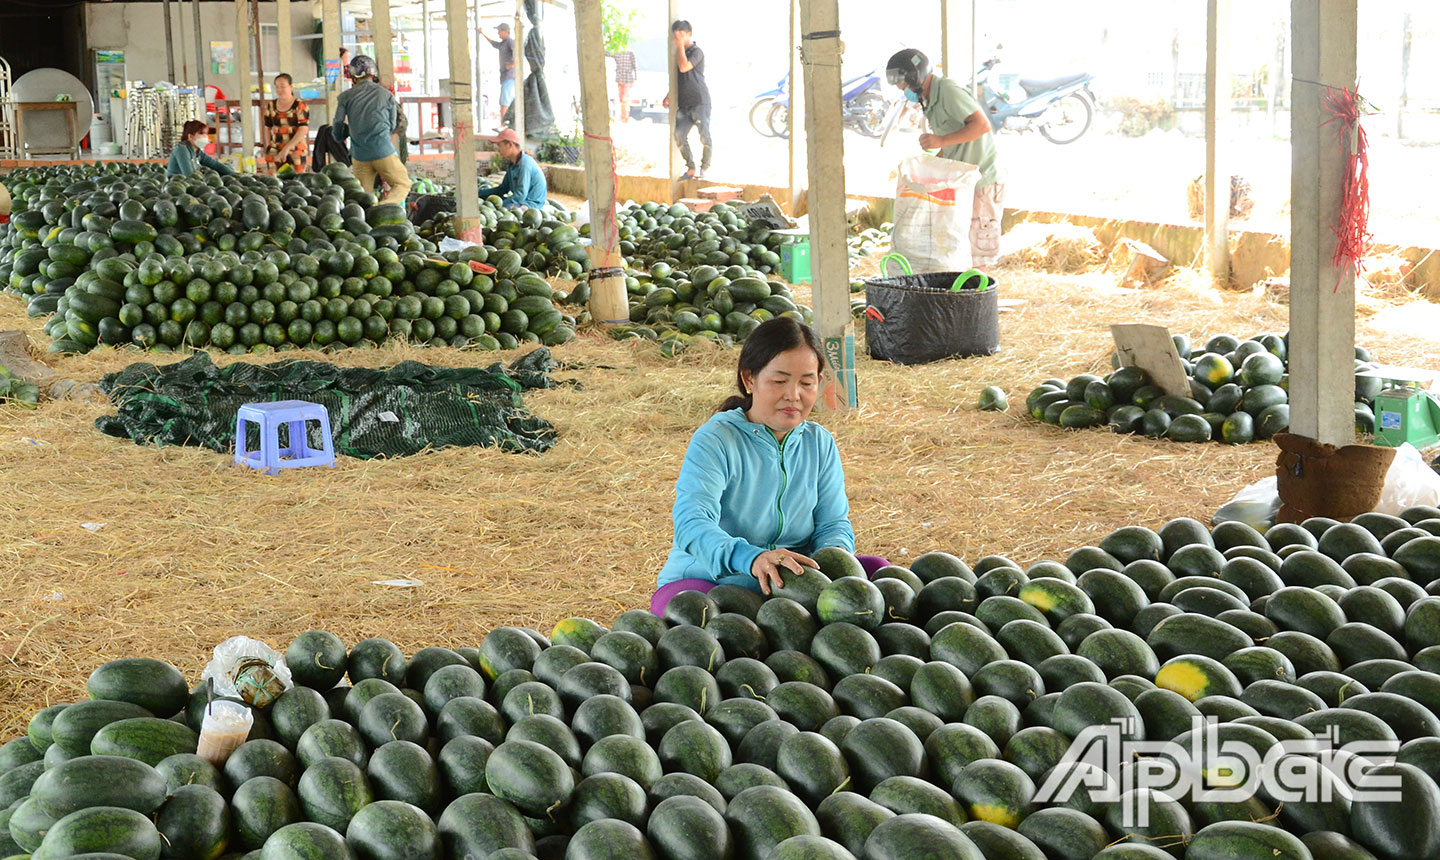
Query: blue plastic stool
point(269, 417)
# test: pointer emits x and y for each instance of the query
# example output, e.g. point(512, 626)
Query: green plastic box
point(1406, 415)
point(795, 260)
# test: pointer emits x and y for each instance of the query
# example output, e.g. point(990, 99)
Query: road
point(1100, 174)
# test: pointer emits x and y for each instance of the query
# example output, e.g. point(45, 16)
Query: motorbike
point(1061, 109)
point(760, 107)
point(864, 107)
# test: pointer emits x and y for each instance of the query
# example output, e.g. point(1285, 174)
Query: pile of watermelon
point(677, 307)
point(127, 255)
point(678, 236)
point(918, 715)
point(1239, 392)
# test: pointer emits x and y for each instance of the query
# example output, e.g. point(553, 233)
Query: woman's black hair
point(192, 127)
point(286, 75)
point(768, 340)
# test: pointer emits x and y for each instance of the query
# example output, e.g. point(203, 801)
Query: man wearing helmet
point(961, 131)
point(367, 114)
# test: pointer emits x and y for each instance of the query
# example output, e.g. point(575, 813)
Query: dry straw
point(1059, 247)
point(192, 550)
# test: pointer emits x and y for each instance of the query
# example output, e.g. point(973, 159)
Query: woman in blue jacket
point(761, 486)
point(189, 153)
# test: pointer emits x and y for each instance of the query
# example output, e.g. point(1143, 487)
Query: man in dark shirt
point(693, 106)
point(506, 46)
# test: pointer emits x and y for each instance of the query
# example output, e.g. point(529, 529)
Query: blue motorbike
point(1061, 109)
point(865, 108)
point(760, 107)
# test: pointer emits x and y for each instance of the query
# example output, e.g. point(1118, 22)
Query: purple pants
point(662, 595)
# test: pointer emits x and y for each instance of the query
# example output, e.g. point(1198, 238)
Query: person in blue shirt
point(189, 153)
point(367, 113)
point(761, 487)
point(524, 182)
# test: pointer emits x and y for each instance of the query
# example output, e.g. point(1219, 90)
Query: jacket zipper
point(784, 481)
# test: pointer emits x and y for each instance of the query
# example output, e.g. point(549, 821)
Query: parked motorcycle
point(1061, 109)
point(760, 108)
point(864, 107)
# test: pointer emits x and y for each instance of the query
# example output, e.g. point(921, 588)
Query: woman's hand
point(767, 567)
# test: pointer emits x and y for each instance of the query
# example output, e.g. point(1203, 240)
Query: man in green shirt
point(960, 130)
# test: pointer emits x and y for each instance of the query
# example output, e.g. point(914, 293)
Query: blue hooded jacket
point(741, 493)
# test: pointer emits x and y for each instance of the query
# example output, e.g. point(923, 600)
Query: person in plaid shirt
point(287, 125)
point(625, 75)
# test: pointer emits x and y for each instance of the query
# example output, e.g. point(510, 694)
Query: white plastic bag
point(1410, 481)
point(228, 655)
point(1256, 506)
point(934, 199)
point(449, 244)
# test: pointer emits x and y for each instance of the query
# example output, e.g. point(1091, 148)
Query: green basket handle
point(964, 277)
point(904, 263)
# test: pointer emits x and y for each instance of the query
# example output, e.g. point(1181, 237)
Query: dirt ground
point(193, 550)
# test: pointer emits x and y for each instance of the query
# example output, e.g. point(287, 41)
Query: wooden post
point(242, 82)
point(169, 46)
point(384, 40)
point(284, 37)
point(797, 176)
point(608, 302)
point(1277, 76)
point(1322, 297)
point(479, 48)
point(330, 49)
point(1217, 116)
point(519, 36)
point(200, 59)
point(821, 51)
point(462, 115)
point(254, 22)
point(425, 33)
point(1404, 102)
point(673, 15)
point(974, 58)
point(182, 49)
point(950, 18)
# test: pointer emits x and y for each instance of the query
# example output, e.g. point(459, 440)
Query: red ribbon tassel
point(1352, 228)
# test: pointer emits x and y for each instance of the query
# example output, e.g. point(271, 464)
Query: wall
point(139, 30)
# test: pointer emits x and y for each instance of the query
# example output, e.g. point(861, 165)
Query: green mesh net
point(390, 412)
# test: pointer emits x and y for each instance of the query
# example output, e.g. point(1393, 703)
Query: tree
point(619, 26)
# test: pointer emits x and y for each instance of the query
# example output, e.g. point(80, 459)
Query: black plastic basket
point(914, 319)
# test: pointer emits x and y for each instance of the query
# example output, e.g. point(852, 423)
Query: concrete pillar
point(462, 113)
point(1217, 126)
point(519, 36)
point(1322, 297)
point(798, 180)
point(830, 264)
point(384, 40)
point(284, 38)
point(330, 50)
point(608, 303)
point(243, 81)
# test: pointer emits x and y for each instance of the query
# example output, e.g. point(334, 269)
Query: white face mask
point(202, 141)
